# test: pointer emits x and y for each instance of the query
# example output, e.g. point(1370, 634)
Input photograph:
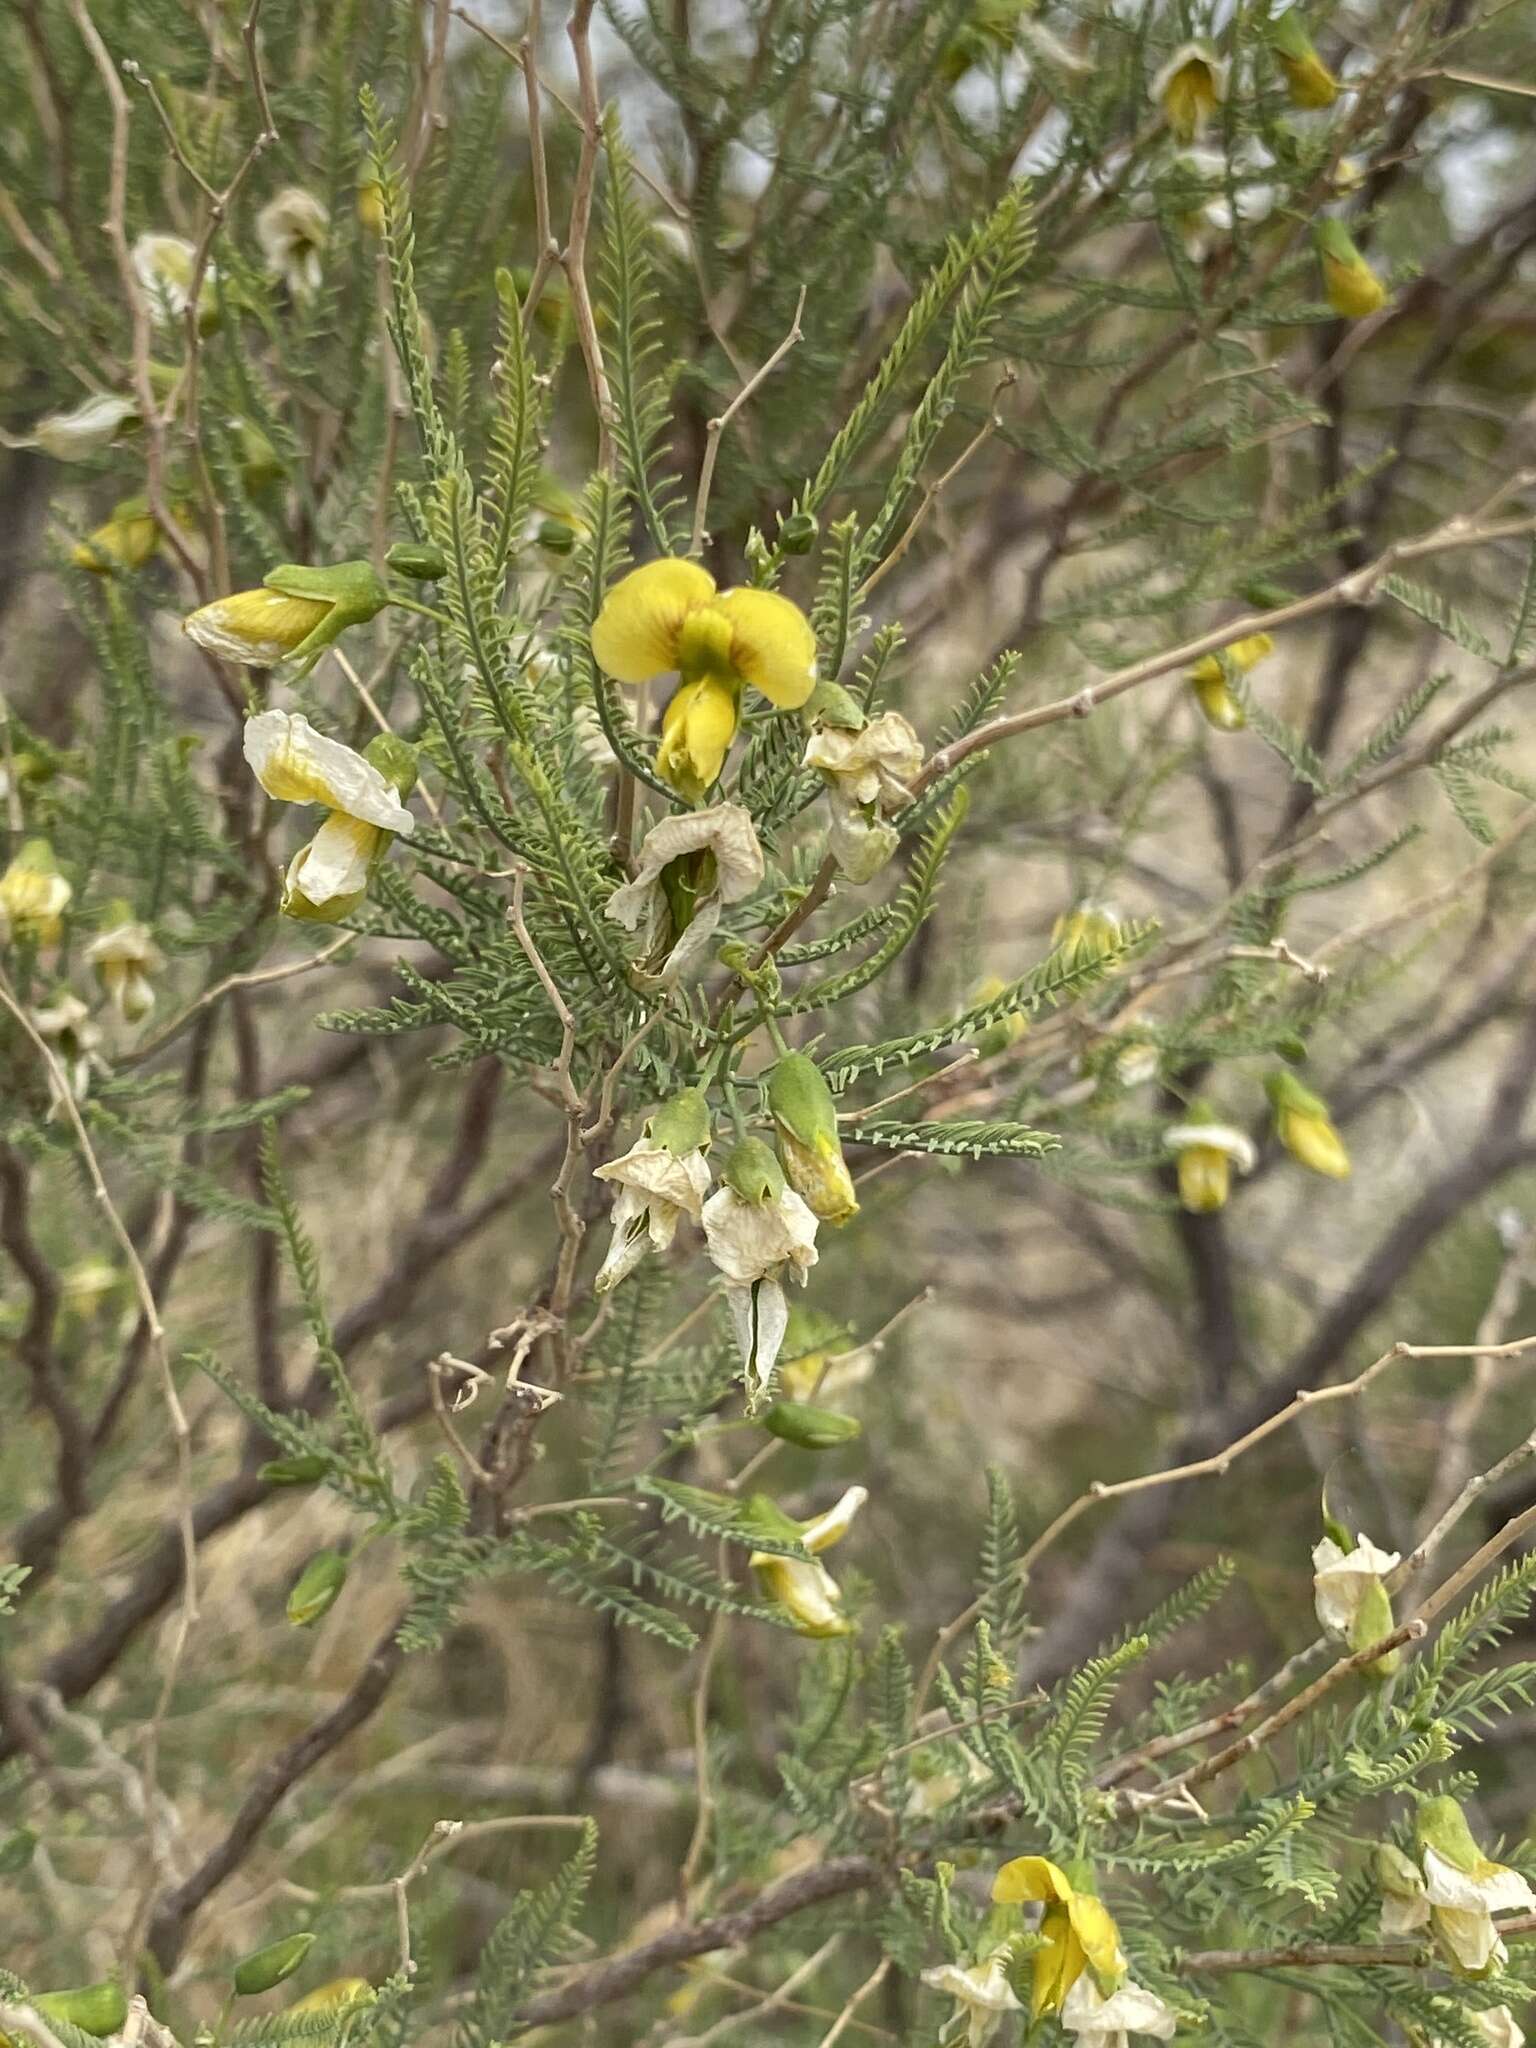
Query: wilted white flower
point(982, 1993)
point(74, 1039)
point(124, 958)
point(1101, 2022)
point(662, 1177)
point(86, 429)
point(291, 230)
point(163, 264)
point(868, 774)
point(1462, 1904)
point(641, 906)
point(756, 1239)
point(1342, 1580)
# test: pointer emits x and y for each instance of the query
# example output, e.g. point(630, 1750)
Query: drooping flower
point(804, 1587)
point(1105, 2022)
point(1096, 926)
point(1463, 1888)
point(1404, 1908)
point(124, 957)
point(329, 877)
point(661, 1178)
point(1189, 88)
point(74, 1041)
point(689, 869)
point(759, 1233)
point(669, 617)
point(1308, 78)
point(1208, 680)
point(1304, 1127)
point(982, 1994)
point(1350, 285)
point(86, 429)
point(868, 773)
point(163, 264)
point(802, 1108)
point(1206, 1152)
point(297, 613)
point(291, 231)
point(125, 541)
point(33, 895)
point(1350, 1593)
point(1077, 1930)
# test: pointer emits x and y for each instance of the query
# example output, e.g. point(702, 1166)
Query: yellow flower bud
point(801, 1105)
point(1351, 286)
point(1208, 679)
point(1310, 81)
point(1205, 1152)
point(127, 541)
point(1305, 1129)
point(370, 205)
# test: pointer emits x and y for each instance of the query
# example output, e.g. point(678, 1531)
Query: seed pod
point(270, 1965)
point(95, 2008)
point(812, 1429)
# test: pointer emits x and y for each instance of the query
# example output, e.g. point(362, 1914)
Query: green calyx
point(799, 1100)
point(1442, 1826)
point(395, 760)
point(682, 1124)
point(418, 559)
point(1287, 1093)
point(752, 1172)
point(97, 2009)
point(352, 590)
point(830, 704)
point(1290, 38)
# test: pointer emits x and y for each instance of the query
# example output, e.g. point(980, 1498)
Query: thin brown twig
point(714, 429)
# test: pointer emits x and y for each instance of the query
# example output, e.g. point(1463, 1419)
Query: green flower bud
point(270, 1965)
point(812, 1429)
point(95, 2008)
point(555, 537)
point(801, 1105)
point(298, 612)
point(315, 1592)
point(797, 533)
point(753, 1172)
point(294, 1471)
point(16, 1851)
point(419, 559)
point(682, 1124)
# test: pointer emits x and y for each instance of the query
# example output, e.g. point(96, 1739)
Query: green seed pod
point(95, 2008)
point(753, 1172)
point(294, 1471)
point(813, 1429)
point(270, 1965)
point(317, 1588)
point(419, 559)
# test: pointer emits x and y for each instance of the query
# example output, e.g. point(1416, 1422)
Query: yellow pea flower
point(1304, 1127)
point(1208, 680)
point(697, 729)
point(802, 1108)
point(126, 541)
point(803, 1587)
point(1206, 1152)
point(668, 616)
point(1189, 89)
point(1351, 286)
point(297, 613)
point(1089, 924)
point(370, 205)
point(1308, 78)
point(33, 895)
point(1077, 1930)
